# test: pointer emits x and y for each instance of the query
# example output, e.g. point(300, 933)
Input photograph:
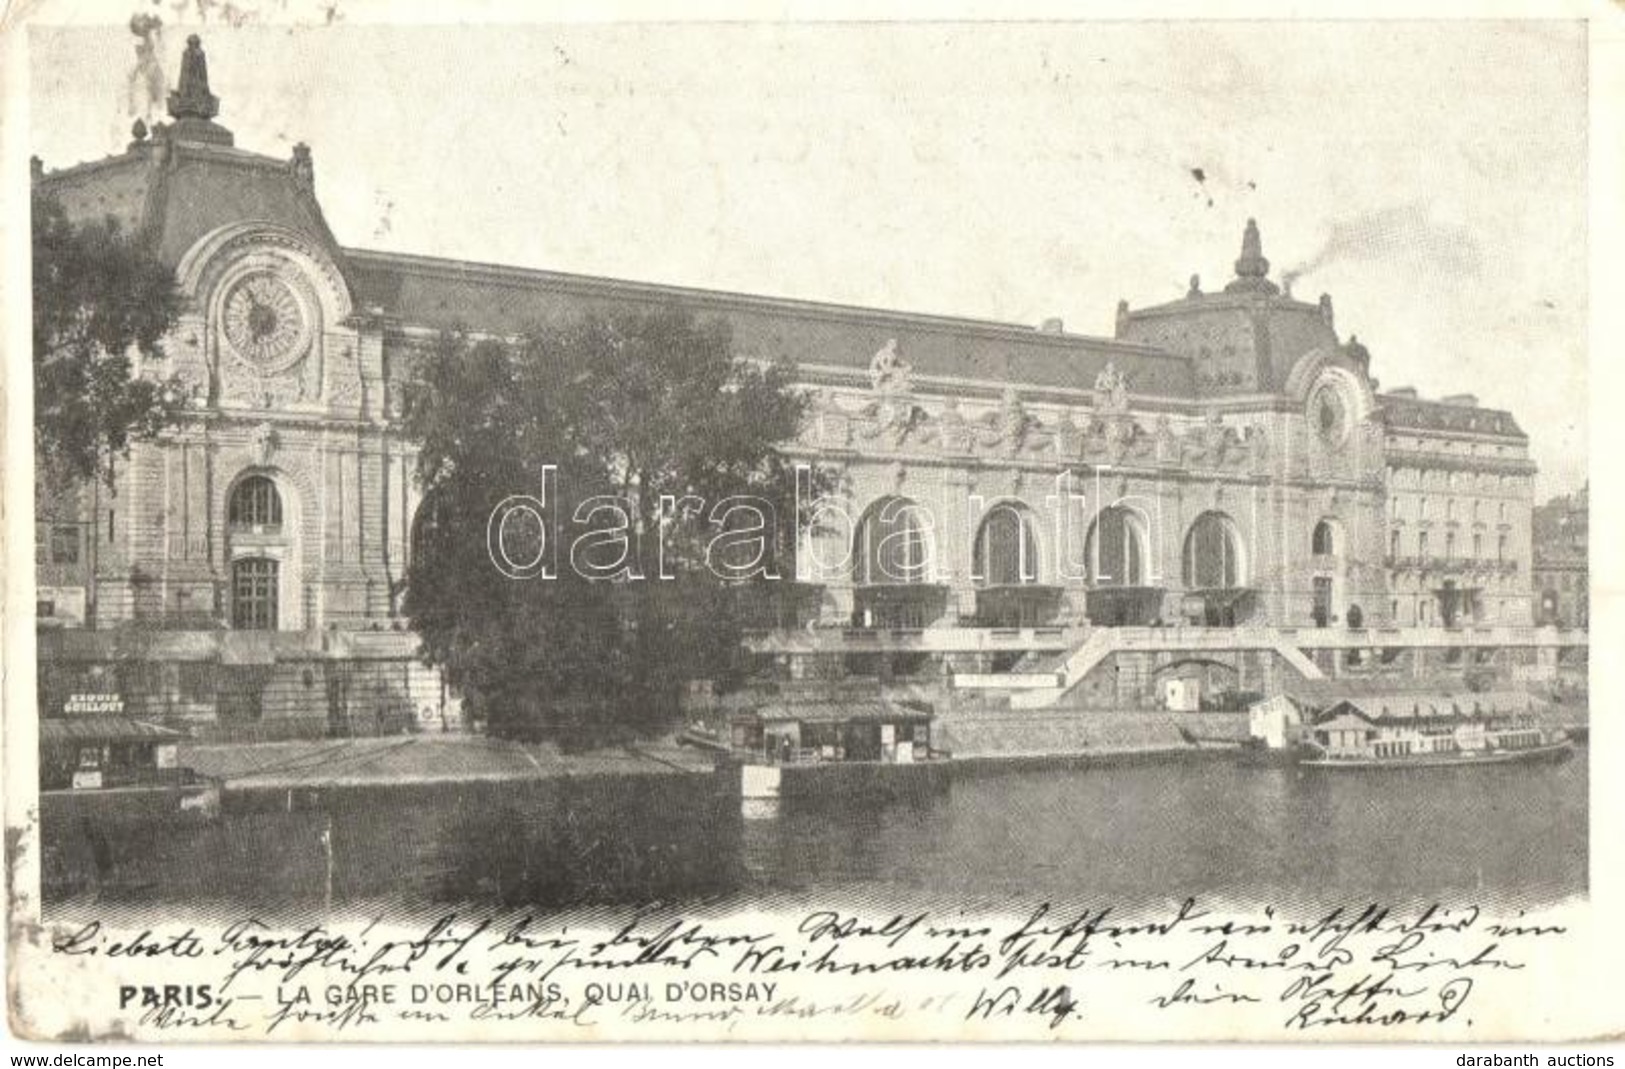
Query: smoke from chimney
point(1403, 234)
point(147, 85)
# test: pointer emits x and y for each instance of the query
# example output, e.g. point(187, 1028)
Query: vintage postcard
point(569, 525)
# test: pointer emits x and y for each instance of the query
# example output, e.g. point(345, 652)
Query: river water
point(1506, 836)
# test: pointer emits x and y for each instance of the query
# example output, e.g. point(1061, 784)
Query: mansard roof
point(1402, 410)
point(435, 293)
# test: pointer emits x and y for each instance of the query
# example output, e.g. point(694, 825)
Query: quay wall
point(1050, 732)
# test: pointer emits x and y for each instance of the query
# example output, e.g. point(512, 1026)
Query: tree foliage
point(609, 423)
point(100, 297)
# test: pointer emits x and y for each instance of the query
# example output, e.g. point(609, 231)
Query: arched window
point(1211, 558)
point(890, 546)
point(1113, 552)
point(1006, 552)
point(1322, 543)
point(254, 593)
point(255, 505)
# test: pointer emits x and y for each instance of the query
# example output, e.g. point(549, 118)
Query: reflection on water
point(1118, 834)
point(1210, 828)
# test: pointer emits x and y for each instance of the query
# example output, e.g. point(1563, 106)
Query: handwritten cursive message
point(1067, 972)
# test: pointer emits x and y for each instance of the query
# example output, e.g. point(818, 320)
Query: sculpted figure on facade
point(1166, 442)
point(953, 433)
point(191, 371)
point(1258, 446)
point(344, 384)
point(894, 417)
point(888, 371)
point(302, 168)
point(1067, 436)
point(1009, 427)
point(265, 443)
point(1119, 433)
point(1111, 389)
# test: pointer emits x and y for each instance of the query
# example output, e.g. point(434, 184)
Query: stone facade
point(1222, 459)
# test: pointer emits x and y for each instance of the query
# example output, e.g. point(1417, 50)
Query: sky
point(1430, 176)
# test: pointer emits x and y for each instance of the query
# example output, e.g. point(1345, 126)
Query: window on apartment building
point(1422, 543)
point(1449, 545)
point(254, 594)
point(255, 505)
point(64, 543)
point(1478, 546)
point(1393, 544)
point(1501, 548)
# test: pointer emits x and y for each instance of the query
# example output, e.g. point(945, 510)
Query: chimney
point(1052, 325)
point(1461, 400)
point(1408, 393)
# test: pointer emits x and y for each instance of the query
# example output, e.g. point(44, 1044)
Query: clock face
point(265, 322)
point(1329, 414)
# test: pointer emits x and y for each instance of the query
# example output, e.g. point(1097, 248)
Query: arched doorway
point(1115, 554)
point(891, 567)
point(1005, 568)
point(1114, 550)
point(891, 545)
point(1006, 550)
point(260, 546)
point(1214, 572)
point(1325, 558)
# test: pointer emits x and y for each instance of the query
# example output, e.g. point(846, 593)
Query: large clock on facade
point(1329, 414)
point(265, 322)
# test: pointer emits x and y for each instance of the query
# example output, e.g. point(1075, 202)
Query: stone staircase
point(1103, 642)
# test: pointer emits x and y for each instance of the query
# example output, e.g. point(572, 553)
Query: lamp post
point(93, 541)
